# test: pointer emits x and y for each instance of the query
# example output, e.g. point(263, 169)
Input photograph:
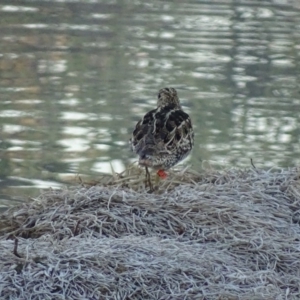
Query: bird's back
point(164, 133)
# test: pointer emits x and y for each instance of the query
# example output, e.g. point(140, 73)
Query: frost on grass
point(217, 235)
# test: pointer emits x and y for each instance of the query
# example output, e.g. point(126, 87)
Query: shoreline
point(231, 234)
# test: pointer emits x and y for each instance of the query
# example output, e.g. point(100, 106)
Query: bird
point(164, 136)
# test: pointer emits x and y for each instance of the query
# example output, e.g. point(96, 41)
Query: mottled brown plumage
point(164, 136)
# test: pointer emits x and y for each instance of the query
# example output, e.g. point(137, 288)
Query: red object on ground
point(162, 174)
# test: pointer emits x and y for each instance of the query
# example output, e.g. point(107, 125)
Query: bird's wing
point(177, 131)
point(143, 131)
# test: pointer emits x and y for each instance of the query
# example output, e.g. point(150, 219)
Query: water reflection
point(75, 78)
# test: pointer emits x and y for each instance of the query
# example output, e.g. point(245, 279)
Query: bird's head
point(168, 97)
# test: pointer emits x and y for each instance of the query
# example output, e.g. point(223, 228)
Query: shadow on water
point(76, 76)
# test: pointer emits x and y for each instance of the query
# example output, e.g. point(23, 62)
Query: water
point(75, 76)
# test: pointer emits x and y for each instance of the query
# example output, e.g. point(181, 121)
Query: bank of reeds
point(232, 234)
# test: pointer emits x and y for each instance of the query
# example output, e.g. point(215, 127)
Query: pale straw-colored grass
point(232, 234)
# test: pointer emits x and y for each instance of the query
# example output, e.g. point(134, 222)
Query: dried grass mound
point(217, 235)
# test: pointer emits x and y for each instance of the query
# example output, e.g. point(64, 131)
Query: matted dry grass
point(233, 234)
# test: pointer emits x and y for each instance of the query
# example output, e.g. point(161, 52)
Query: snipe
point(164, 136)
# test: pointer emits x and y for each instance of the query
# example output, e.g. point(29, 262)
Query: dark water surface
point(75, 76)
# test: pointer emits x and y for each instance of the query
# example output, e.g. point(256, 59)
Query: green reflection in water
point(75, 77)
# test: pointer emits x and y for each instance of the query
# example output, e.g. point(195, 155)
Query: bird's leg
point(148, 179)
point(162, 174)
